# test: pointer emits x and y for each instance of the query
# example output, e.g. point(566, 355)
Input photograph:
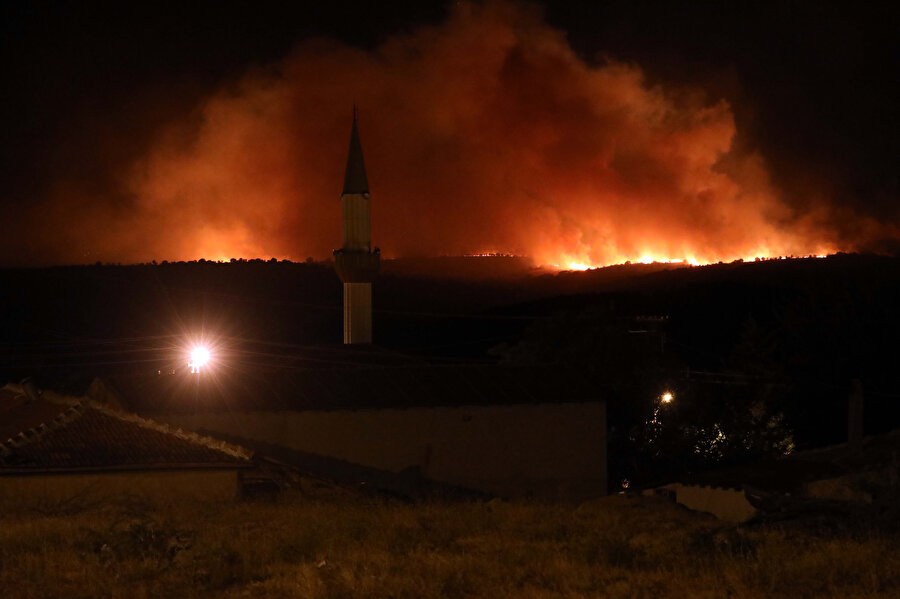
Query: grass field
point(625, 547)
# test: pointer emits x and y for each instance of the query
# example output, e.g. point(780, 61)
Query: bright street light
point(200, 357)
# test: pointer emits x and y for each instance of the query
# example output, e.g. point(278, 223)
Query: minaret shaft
point(357, 222)
point(357, 313)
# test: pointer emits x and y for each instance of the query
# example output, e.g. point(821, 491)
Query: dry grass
point(616, 547)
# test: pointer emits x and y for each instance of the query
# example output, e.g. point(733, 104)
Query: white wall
point(726, 504)
point(545, 450)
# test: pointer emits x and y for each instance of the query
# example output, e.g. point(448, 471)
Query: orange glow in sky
point(487, 130)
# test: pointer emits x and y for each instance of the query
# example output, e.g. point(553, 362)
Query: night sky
point(578, 133)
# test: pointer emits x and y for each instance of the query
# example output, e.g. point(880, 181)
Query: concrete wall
point(843, 488)
point(548, 450)
point(159, 486)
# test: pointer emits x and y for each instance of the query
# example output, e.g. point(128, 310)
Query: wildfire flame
point(692, 261)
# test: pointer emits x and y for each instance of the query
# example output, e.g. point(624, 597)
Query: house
point(861, 473)
point(56, 448)
point(502, 430)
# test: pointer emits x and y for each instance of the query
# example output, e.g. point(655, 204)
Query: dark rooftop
point(18, 413)
point(65, 434)
point(406, 386)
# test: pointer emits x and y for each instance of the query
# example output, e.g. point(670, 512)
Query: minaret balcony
point(354, 266)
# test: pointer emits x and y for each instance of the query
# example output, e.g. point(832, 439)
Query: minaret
point(356, 263)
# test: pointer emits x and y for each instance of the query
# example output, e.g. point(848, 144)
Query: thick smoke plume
point(484, 134)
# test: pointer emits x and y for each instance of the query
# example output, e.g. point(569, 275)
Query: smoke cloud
point(486, 133)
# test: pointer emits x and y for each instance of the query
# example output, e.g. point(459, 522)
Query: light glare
point(200, 357)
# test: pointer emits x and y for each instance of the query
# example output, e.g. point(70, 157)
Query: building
point(370, 416)
point(360, 414)
point(863, 473)
point(500, 430)
point(58, 449)
point(356, 262)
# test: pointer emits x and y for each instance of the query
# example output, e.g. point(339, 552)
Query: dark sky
point(814, 83)
point(89, 86)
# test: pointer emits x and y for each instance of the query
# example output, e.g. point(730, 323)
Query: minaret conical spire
point(355, 180)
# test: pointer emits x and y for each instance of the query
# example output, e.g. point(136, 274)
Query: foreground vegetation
point(626, 547)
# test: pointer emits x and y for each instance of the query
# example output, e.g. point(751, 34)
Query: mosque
point(356, 413)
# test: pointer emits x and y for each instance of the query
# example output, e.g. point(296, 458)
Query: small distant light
point(200, 357)
point(667, 397)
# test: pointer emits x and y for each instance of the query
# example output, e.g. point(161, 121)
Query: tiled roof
point(78, 435)
point(18, 414)
point(352, 388)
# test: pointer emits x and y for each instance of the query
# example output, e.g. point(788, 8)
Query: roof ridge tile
point(209, 442)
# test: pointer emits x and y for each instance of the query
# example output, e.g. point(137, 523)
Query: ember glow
point(484, 131)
